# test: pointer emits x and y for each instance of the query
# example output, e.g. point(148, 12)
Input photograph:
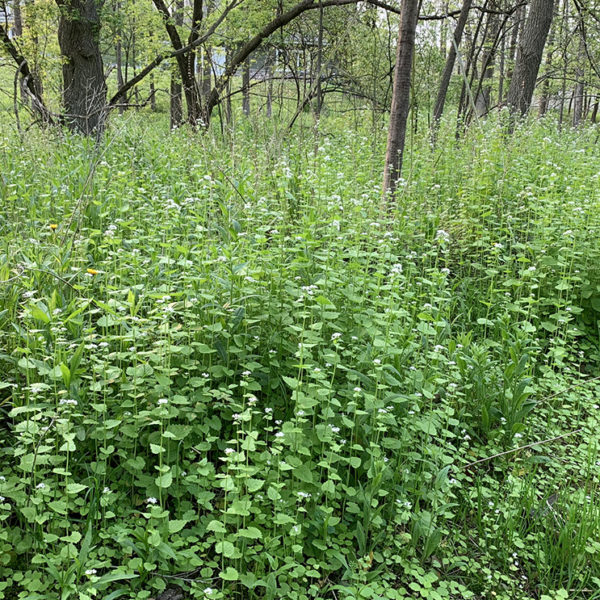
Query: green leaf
point(239, 507)
point(355, 462)
point(75, 488)
point(251, 532)
point(165, 480)
point(176, 525)
point(216, 526)
point(229, 574)
point(304, 473)
point(225, 548)
point(254, 485)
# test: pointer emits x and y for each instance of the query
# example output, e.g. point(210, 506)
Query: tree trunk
point(469, 67)
point(152, 93)
point(119, 52)
point(529, 56)
point(501, 68)
point(594, 117)
point(246, 87)
point(484, 94)
point(319, 91)
point(84, 87)
point(193, 95)
point(35, 72)
point(519, 18)
point(400, 96)
point(18, 32)
point(176, 105)
point(579, 78)
point(545, 98)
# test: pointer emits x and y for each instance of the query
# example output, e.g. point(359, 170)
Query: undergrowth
point(225, 367)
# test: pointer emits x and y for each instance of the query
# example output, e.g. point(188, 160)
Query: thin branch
point(487, 459)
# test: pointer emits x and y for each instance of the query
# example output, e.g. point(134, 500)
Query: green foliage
point(226, 364)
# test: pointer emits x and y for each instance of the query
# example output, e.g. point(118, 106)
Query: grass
point(227, 369)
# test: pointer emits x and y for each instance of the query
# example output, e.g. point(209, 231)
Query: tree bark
point(529, 56)
point(319, 91)
point(400, 96)
point(545, 97)
point(175, 92)
point(484, 94)
point(246, 88)
point(84, 87)
point(579, 77)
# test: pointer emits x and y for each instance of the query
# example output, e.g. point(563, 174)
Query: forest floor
point(225, 366)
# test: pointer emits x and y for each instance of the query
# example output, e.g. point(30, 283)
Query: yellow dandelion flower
point(53, 226)
point(93, 271)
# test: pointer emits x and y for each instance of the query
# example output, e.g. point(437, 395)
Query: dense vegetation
point(225, 368)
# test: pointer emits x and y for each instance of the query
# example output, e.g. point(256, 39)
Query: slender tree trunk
point(84, 88)
point(518, 19)
point(594, 117)
point(18, 32)
point(246, 87)
point(400, 96)
point(206, 63)
point(449, 67)
point(529, 58)
point(319, 90)
point(444, 32)
point(35, 71)
point(545, 97)
point(469, 67)
point(484, 94)
point(176, 105)
point(269, 74)
point(152, 93)
point(119, 50)
point(501, 68)
point(580, 85)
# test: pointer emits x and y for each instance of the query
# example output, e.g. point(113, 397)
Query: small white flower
point(236, 417)
point(208, 591)
point(90, 571)
point(106, 490)
point(357, 390)
point(335, 336)
point(268, 410)
point(279, 434)
point(229, 451)
point(151, 500)
point(40, 486)
point(162, 401)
